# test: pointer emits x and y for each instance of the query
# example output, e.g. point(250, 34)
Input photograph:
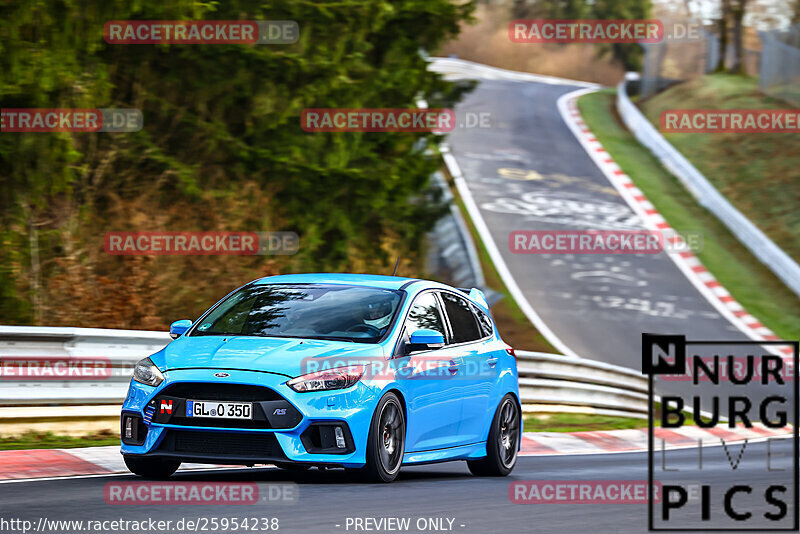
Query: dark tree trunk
point(723, 35)
point(737, 14)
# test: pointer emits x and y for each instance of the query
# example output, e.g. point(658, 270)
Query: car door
point(478, 372)
point(430, 378)
point(485, 366)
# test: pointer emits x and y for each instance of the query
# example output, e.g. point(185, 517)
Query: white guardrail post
point(706, 194)
point(548, 382)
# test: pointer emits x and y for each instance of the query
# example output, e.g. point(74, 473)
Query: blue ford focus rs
point(364, 372)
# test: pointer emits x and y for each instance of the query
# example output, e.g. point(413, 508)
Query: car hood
point(285, 356)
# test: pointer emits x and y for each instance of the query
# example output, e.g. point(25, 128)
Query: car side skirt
point(462, 452)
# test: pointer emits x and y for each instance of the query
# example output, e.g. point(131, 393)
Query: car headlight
point(337, 378)
point(146, 372)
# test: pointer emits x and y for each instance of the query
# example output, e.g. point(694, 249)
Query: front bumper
point(292, 435)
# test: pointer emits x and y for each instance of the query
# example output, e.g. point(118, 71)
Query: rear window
point(484, 322)
point(462, 320)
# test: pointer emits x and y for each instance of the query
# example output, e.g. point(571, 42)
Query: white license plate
point(219, 410)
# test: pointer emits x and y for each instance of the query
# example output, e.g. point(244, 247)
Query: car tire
point(155, 468)
point(503, 442)
point(386, 441)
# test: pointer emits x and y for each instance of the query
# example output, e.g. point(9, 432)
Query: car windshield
point(316, 311)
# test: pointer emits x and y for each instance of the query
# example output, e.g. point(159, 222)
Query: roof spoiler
point(476, 295)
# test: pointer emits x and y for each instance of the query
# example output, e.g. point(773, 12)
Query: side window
point(484, 322)
point(425, 313)
point(465, 326)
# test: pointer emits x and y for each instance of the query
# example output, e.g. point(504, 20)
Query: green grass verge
point(750, 282)
point(48, 440)
point(578, 422)
point(759, 173)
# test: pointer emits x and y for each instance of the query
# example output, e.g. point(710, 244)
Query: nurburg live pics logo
point(752, 489)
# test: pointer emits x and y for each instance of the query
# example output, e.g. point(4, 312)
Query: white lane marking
point(107, 457)
point(464, 68)
point(497, 258)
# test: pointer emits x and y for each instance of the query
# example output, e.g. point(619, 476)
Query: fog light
point(132, 430)
point(339, 437)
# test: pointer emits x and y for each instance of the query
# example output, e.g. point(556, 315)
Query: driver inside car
point(377, 312)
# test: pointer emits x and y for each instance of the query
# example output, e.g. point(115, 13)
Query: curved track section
point(529, 172)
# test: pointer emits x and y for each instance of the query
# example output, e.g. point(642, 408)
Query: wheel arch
point(515, 395)
point(402, 400)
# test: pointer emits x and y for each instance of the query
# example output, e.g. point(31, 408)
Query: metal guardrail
point(706, 194)
point(548, 382)
point(121, 348)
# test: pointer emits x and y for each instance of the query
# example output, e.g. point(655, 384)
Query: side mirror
point(178, 328)
point(425, 339)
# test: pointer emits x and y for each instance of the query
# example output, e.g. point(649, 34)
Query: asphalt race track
point(529, 172)
point(326, 499)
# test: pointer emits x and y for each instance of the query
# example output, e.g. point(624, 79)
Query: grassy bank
point(749, 281)
point(578, 422)
point(48, 440)
point(541, 422)
point(759, 173)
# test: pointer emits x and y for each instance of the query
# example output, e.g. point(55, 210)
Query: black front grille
point(221, 392)
point(221, 445)
point(270, 409)
point(258, 421)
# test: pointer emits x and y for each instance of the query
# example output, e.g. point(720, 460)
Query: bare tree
point(738, 8)
point(731, 24)
point(725, 9)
